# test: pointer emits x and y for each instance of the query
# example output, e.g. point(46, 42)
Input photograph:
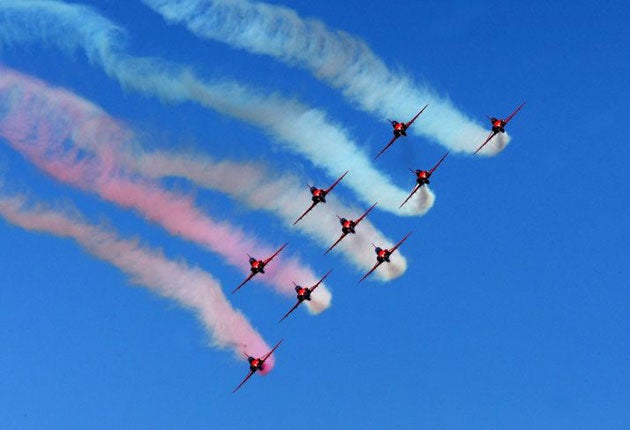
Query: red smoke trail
point(190, 286)
point(40, 122)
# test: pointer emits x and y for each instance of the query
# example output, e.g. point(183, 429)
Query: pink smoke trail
point(41, 132)
point(190, 286)
point(298, 128)
point(286, 196)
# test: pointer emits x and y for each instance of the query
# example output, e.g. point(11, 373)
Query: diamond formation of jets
point(348, 226)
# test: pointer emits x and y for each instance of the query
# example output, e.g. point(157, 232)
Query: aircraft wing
point(378, 263)
point(275, 253)
point(305, 212)
point(251, 275)
point(335, 244)
point(514, 113)
point(267, 355)
point(391, 251)
point(416, 188)
point(365, 214)
point(320, 281)
point(336, 182)
point(490, 136)
point(251, 372)
point(291, 310)
point(387, 146)
point(417, 115)
point(438, 163)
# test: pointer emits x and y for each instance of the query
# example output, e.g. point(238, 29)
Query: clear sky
point(513, 311)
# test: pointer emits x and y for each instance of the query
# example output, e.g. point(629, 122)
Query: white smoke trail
point(43, 129)
point(284, 195)
point(297, 127)
point(189, 286)
point(252, 185)
point(335, 57)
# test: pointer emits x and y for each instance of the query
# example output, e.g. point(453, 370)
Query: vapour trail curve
point(189, 286)
point(343, 61)
point(298, 128)
point(42, 132)
point(251, 183)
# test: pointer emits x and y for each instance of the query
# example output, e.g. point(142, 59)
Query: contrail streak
point(285, 195)
point(41, 128)
point(335, 57)
point(189, 286)
point(250, 184)
point(299, 128)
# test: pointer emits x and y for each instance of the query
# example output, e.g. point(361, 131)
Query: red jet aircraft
point(304, 294)
point(347, 226)
point(422, 178)
point(319, 195)
point(498, 125)
point(256, 364)
point(257, 266)
point(400, 129)
point(383, 255)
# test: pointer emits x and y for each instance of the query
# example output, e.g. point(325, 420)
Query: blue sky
point(512, 312)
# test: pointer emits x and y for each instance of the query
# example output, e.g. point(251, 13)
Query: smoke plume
point(335, 57)
point(190, 286)
point(298, 128)
point(46, 129)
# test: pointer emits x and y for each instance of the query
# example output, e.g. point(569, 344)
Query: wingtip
point(324, 277)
